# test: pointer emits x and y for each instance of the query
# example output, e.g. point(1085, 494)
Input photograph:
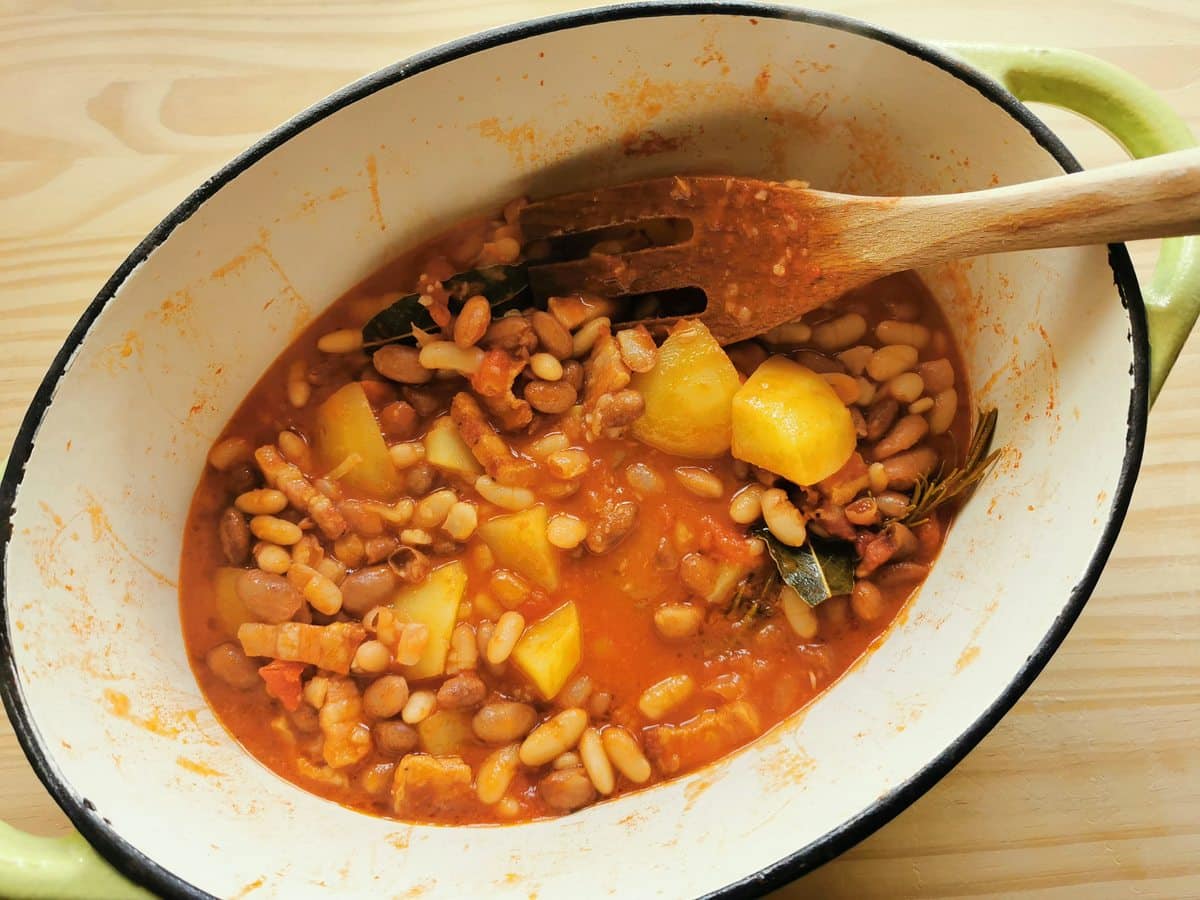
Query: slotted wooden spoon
point(766, 252)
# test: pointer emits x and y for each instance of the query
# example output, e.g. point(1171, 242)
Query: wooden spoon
point(765, 253)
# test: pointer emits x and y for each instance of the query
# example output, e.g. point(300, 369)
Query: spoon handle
point(1146, 198)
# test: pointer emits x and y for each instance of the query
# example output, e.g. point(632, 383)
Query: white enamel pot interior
point(104, 468)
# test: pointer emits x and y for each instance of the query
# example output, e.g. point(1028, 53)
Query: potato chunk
point(346, 425)
point(688, 395)
point(519, 542)
point(788, 420)
point(434, 603)
point(549, 650)
point(445, 449)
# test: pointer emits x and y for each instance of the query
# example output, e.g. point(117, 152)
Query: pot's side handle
point(60, 868)
point(1145, 125)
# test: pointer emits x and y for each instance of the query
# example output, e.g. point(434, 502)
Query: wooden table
point(1090, 787)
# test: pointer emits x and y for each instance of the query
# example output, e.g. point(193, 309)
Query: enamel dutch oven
point(1064, 343)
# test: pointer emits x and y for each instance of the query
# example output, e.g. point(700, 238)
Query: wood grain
point(113, 111)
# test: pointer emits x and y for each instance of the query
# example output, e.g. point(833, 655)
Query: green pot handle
point(1143, 123)
point(58, 868)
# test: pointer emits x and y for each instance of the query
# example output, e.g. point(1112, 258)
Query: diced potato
point(518, 542)
point(345, 424)
point(231, 610)
point(728, 576)
point(447, 732)
point(788, 420)
point(549, 650)
point(688, 395)
point(445, 449)
point(434, 603)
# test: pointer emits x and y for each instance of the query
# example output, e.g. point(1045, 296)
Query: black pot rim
point(143, 870)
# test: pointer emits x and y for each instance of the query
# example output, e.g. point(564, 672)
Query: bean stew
point(463, 557)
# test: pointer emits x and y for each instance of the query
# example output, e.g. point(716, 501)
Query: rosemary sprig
point(941, 487)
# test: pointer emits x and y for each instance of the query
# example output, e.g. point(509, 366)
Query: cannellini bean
point(406, 454)
point(420, 706)
point(644, 479)
point(549, 443)
point(416, 537)
point(345, 340)
point(261, 502)
point(625, 754)
point(596, 762)
point(275, 530)
point(575, 692)
point(431, 510)
point(800, 616)
point(511, 498)
point(230, 452)
point(863, 511)
point(866, 391)
point(464, 651)
point(700, 482)
point(918, 407)
point(856, 358)
point(877, 478)
point(461, 521)
point(505, 636)
point(566, 532)
point(298, 389)
point(557, 735)
point(746, 505)
point(783, 519)
point(840, 333)
point(663, 696)
point(845, 386)
point(546, 367)
point(888, 362)
point(892, 331)
point(583, 339)
point(678, 620)
point(568, 464)
point(945, 407)
point(789, 334)
point(371, 658)
point(272, 558)
point(907, 387)
point(496, 773)
point(448, 356)
point(321, 593)
point(568, 760)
